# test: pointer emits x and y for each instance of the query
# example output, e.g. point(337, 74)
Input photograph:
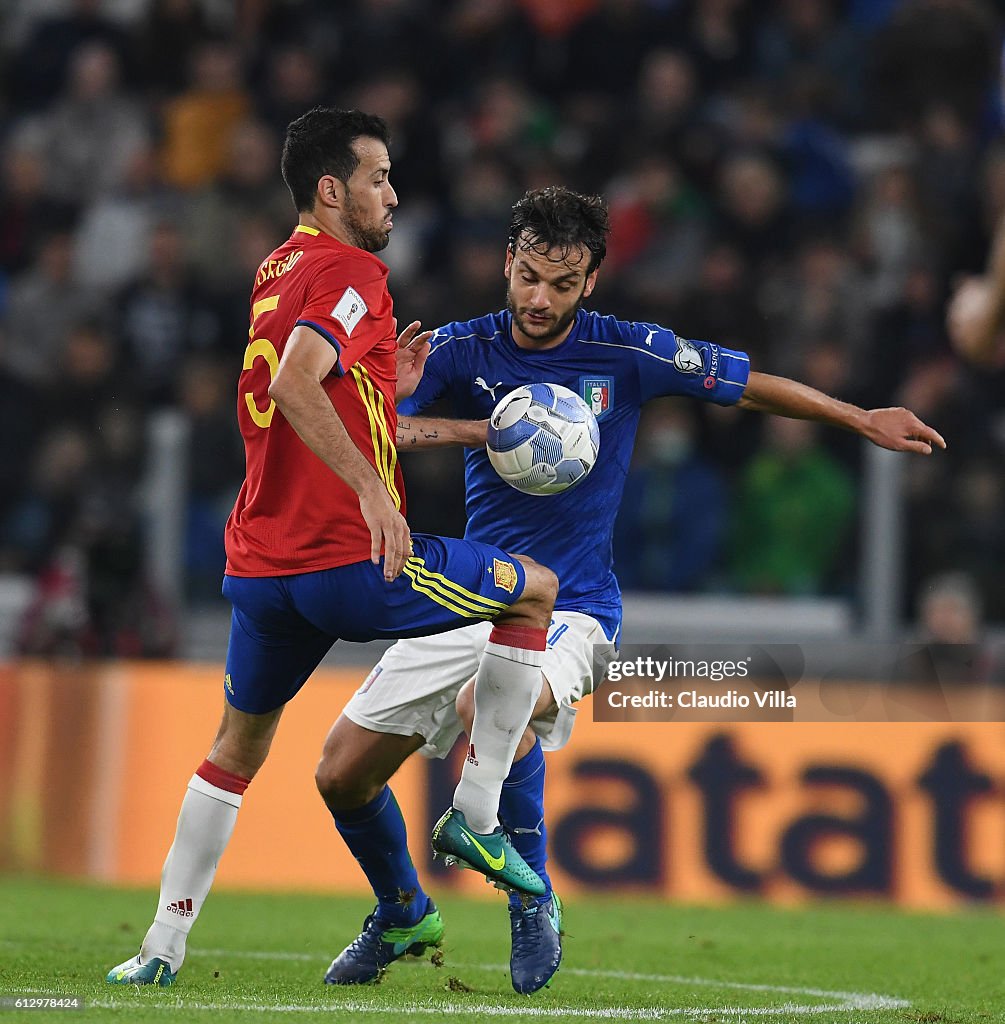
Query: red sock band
point(527, 637)
point(221, 779)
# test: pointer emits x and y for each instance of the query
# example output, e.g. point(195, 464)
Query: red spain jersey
point(293, 514)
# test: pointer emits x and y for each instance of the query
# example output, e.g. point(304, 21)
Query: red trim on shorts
point(228, 781)
point(527, 637)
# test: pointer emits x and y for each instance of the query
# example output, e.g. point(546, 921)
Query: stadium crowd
point(800, 179)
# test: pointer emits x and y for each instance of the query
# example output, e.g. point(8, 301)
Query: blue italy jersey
point(616, 367)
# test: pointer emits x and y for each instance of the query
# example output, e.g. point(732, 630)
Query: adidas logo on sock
point(471, 759)
point(183, 908)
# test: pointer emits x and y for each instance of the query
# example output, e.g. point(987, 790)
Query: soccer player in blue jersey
point(419, 696)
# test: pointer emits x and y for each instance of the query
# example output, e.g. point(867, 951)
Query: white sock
point(507, 686)
point(207, 818)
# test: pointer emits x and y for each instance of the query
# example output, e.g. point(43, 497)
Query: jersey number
point(261, 348)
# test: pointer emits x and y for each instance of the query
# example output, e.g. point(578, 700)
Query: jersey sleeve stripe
point(330, 338)
point(388, 453)
point(454, 590)
point(422, 586)
point(630, 348)
point(439, 340)
point(375, 440)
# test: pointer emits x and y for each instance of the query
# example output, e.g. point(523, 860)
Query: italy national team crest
point(504, 574)
point(598, 393)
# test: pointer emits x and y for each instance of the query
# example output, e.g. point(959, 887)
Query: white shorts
point(412, 689)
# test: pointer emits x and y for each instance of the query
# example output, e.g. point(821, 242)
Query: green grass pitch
point(261, 958)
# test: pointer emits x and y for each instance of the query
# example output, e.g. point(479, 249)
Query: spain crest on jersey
point(504, 574)
point(598, 393)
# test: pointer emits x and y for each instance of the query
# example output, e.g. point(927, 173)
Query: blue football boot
point(536, 932)
point(379, 944)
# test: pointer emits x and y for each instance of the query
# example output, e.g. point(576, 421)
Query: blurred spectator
point(721, 304)
point(817, 297)
point(910, 331)
point(92, 132)
point(941, 51)
point(612, 42)
point(164, 314)
point(751, 211)
point(25, 210)
point(719, 39)
point(247, 187)
point(92, 598)
point(199, 123)
point(113, 238)
point(295, 82)
point(949, 610)
point(42, 62)
point(889, 233)
point(168, 37)
point(215, 461)
point(43, 304)
point(793, 512)
point(658, 228)
point(43, 520)
point(670, 531)
point(90, 381)
point(809, 34)
point(951, 626)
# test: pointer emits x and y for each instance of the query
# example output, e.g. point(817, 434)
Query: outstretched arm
point(897, 429)
point(433, 432)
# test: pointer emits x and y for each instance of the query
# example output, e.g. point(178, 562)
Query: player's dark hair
point(558, 218)
point(320, 142)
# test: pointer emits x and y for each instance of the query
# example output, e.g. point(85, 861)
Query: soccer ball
point(543, 439)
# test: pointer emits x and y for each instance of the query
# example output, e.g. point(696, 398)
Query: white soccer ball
point(542, 439)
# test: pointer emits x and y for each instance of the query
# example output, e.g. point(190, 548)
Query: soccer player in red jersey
point(318, 549)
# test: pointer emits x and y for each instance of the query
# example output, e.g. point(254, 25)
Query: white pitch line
point(430, 1009)
point(846, 1002)
point(850, 1000)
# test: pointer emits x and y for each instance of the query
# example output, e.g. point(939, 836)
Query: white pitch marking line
point(848, 1001)
point(414, 1009)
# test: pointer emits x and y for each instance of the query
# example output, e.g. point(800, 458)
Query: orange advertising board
point(94, 763)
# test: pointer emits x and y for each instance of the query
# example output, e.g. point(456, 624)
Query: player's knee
point(541, 585)
point(465, 705)
point(344, 785)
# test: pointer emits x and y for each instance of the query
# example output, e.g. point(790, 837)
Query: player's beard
point(542, 333)
point(363, 233)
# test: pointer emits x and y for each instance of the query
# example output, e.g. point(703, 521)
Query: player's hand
point(413, 347)
point(900, 431)
point(971, 324)
point(388, 531)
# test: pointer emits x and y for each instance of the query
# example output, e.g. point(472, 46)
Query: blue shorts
point(282, 626)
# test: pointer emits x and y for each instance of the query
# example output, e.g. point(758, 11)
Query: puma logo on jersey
point(491, 390)
point(649, 337)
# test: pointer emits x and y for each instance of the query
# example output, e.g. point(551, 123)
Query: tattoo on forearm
point(405, 435)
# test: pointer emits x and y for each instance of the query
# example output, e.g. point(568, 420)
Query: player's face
point(369, 198)
point(544, 291)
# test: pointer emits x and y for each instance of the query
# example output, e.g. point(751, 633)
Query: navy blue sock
point(375, 833)
point(521, 808)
